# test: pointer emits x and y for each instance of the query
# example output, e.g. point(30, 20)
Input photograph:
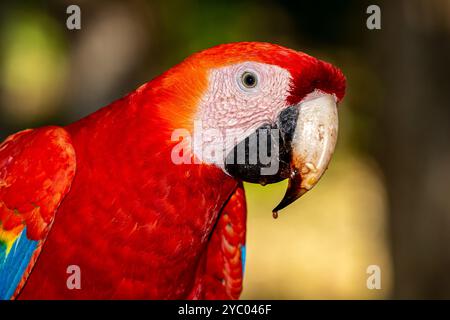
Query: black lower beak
point(265, 156)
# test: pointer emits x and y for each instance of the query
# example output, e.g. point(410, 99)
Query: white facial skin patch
point(230, 111)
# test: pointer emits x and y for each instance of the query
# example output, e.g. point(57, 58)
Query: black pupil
point(249, 80)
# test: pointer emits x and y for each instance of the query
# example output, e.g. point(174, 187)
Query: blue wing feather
point(243, 256)
point(14, 264)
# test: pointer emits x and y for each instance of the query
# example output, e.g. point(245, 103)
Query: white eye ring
point(248, 80)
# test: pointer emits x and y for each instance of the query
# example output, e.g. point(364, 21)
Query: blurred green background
point(385, 199)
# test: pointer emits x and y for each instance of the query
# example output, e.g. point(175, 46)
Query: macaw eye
point(249, 79)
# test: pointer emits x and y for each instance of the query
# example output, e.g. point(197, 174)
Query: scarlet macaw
point(108, 194)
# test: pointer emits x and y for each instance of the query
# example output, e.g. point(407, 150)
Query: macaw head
point(261, 112)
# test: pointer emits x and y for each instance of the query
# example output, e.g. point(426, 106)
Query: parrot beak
point(312, 144)
point(300, 143)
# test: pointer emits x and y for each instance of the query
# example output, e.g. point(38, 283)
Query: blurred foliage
point(321, 246)
point(34, 66)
